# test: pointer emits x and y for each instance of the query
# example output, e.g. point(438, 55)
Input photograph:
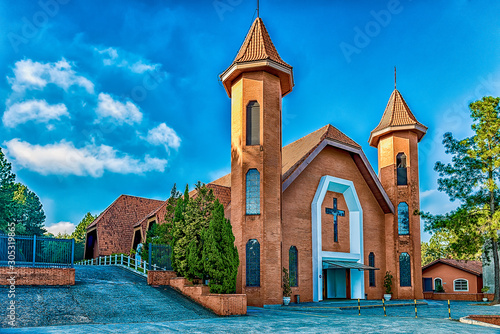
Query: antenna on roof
point(394, 77)
point(258, 14)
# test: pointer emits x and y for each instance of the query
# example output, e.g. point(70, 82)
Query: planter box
point(38, 276)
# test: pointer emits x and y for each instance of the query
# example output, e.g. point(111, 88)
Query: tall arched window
point(253, 262)
point(293, 265)
point(253, 123)
point(403, 219)
point(371, 272)
point(253, 192)
point(401, 169)
point(404, 270)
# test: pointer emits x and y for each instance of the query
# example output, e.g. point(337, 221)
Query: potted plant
point(287, 291)
point(439, 288)
point(485, 290)
point(388, 285)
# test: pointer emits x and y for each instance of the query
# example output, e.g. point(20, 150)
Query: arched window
point(253, 192)
point(253, 262)
point(438, 282)
point(253, 123)
point(404, 270)
point(293, 265)
point(403, 219)
point(371, 272)
point(401, 169)
point(460, 285)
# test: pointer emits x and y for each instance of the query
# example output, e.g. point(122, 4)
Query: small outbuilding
point(454, 276)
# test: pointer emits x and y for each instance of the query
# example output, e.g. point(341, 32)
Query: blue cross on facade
point(335, 212)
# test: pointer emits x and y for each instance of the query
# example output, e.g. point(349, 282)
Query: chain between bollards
point(383, 303)
point(359, 308)
point(416, 308)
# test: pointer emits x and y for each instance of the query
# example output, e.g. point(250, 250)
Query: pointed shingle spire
point(256, 54)
point(258, 46)
point(397, 116)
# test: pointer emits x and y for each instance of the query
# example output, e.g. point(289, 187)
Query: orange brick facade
point(38, 276)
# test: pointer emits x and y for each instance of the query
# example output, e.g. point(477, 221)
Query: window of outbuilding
point(461, 285)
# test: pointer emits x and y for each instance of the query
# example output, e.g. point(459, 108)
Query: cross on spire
point(258, 11)
point(394, 77)
point(335, 212)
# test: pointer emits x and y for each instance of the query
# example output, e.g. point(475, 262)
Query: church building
point(315, 206)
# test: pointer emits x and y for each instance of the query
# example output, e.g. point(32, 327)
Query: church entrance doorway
point(336, 284)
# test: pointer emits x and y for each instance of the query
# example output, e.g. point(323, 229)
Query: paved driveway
point(102, 294)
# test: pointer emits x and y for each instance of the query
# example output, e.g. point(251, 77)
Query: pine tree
point(472, 178)
point(219, 253)
point(7, 186)
point(178, 236)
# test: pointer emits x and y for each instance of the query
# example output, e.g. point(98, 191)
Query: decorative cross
point(335, 212)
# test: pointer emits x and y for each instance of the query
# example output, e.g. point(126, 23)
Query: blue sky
point(102, 98)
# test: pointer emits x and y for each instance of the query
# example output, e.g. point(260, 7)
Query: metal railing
point(36, 251)
point(132, 263)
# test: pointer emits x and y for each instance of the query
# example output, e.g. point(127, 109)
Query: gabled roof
point(297, 155)
point(151, 214)
point(258, 45)
point(139, 206)
point(221, 192)
point(397, 115)
point(473, 267)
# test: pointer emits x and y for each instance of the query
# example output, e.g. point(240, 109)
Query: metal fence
point(161, 256)
point(33, 251)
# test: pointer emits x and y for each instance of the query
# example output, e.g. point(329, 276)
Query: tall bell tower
point(396, 138)
point(256, 81)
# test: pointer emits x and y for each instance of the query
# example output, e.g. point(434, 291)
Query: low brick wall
point(220, 304)
point(157, 277)
point(491, 319)
point(458, 296)
point(38, 276)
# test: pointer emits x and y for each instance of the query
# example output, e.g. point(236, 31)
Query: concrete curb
point(467, 320)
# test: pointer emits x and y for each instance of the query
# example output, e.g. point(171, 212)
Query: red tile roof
point(221, 192)
point(473, 267)
point(258, 46)
point(151, 214)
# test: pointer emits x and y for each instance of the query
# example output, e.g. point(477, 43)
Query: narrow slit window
point(403, 219)
point(253, 192)
point(404, 270)
point(253, 123)
point(293, 265)
point(402, 174)
point(253, 263)
point(371, 272)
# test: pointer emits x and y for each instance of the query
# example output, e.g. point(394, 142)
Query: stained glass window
point(293, 265)
point(253, 262)
point(403, 219)
point(371, 272)
point(461, 285)
point(253, 123)
point(253, 192)
point(404, 270)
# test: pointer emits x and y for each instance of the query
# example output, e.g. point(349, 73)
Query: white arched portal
point(345, 187)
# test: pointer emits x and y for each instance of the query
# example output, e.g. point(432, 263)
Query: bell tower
point(396, 139)
point(256, 81)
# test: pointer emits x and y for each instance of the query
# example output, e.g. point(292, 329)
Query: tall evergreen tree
point(7, 187)
point(220, 255)
point(472, 178)
point(178, 235)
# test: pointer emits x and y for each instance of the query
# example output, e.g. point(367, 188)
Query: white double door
point(336, 283)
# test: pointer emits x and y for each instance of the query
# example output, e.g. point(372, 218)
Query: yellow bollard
point(359, 308)
point(415, 308)
point(383, 303)
point(449, 310)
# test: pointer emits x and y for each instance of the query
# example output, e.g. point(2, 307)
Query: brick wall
point(220, 304)
point(458, 296)
point(491, 319)
point(157, 277)
point(38, 276)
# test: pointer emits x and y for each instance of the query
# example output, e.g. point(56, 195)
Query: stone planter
point(286, 300)
point(485, 299)
point(387, 296)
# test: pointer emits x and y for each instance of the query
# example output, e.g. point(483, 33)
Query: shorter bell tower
point(396, 139)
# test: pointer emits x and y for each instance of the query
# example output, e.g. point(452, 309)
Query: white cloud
point(119, 58)
point(121, 112)
point(64, 158)
point(33, 110)
point(61, 227)
point(163, 135)
point(29, 74)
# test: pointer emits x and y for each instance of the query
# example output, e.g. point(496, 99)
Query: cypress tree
point(178, 235)
point(219, 253)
